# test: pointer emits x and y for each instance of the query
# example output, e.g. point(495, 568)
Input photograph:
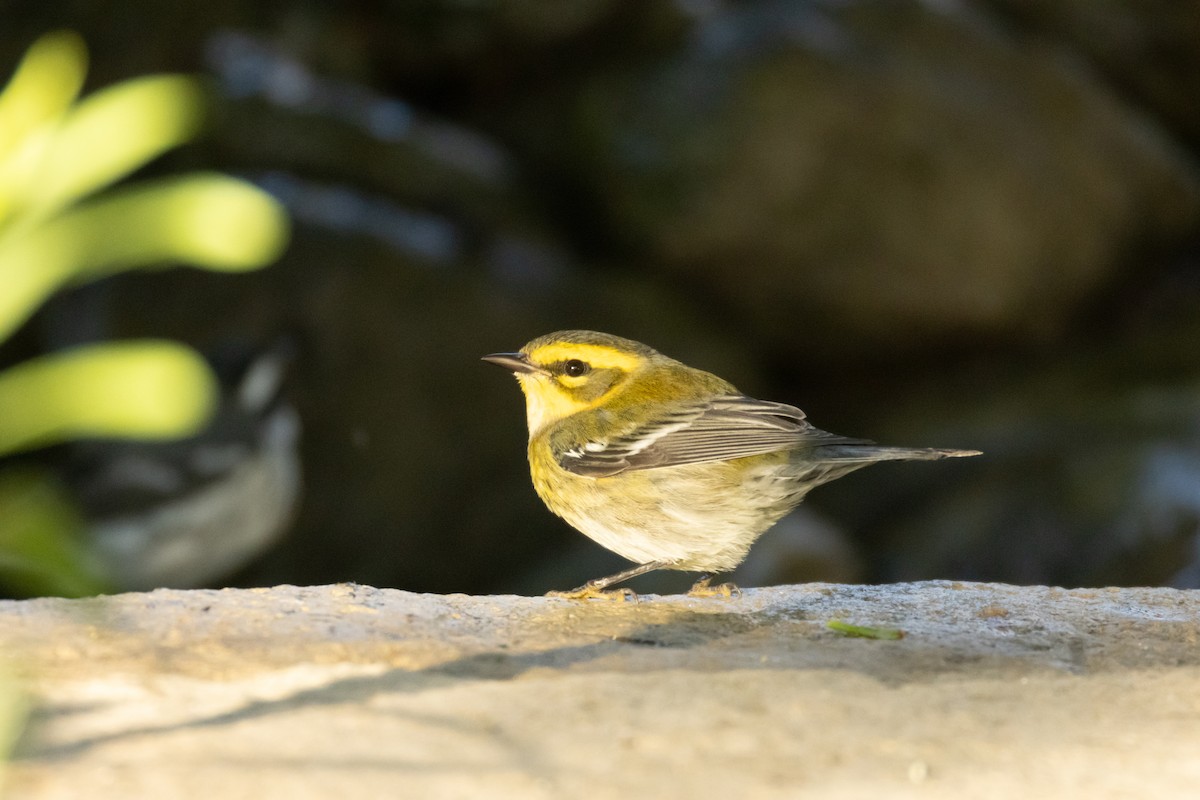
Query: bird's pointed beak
point(514, 362)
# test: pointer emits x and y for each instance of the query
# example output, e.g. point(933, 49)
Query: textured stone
point(350, 691)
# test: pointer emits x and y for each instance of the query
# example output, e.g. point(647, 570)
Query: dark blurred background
point(963, 224)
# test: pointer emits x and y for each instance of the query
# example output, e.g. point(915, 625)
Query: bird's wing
point(716, 429)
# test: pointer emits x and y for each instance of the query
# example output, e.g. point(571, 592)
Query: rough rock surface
point(351, 691)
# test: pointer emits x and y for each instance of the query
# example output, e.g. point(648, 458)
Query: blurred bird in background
point(187, 513)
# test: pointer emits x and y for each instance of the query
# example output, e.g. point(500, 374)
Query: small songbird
point(668, 466)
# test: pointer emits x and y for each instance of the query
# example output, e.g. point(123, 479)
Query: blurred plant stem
point(14, 707)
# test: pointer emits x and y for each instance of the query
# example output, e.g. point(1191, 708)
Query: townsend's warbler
point(666, 465)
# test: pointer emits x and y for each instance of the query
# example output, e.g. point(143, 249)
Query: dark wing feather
point(718, 429)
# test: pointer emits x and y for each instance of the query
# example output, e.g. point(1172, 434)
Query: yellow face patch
point(552, 394)
point(572, 381)
point(546, 401)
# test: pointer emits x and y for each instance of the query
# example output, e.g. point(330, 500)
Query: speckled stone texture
point(351, 691)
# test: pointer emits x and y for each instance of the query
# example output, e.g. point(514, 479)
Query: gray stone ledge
point(351, 691)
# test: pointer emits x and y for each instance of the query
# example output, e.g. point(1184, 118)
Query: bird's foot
point(595, 591)
point(704, 588)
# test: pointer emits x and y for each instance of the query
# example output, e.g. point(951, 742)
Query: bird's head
point(567, 372)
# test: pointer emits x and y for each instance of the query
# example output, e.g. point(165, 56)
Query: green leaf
point(207, 220)
point(44, 86)
point(112, 133)
point(143, 389)
point(41, 548)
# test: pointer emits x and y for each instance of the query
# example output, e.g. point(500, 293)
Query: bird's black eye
point(575, 368)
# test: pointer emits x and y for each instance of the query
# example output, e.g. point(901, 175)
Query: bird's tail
point(868, 452)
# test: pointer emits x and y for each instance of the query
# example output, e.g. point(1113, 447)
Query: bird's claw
point(591, 591)
point(703, 588)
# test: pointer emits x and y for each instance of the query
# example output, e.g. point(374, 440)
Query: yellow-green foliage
point(60, 225)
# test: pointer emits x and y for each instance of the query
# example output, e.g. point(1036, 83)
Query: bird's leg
point(702, 588)
point(596, 588)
